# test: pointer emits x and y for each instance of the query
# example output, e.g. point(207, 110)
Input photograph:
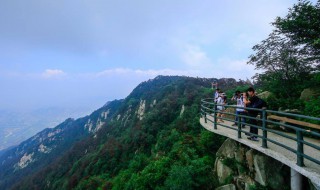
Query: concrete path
point(311, 169)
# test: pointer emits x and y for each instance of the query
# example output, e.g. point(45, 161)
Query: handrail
point(209, 107)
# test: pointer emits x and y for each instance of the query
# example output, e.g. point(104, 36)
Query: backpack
point(260, 103)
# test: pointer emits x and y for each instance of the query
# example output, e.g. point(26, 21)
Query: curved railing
point(302, 126)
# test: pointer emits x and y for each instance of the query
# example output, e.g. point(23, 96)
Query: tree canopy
point(302, 25)
point(289, 57)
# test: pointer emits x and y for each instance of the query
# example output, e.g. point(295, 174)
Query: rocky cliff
point(238, 167)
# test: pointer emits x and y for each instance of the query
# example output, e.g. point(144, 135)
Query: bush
point(312, 107)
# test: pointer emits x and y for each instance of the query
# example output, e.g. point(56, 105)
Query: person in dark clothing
point(252, 114)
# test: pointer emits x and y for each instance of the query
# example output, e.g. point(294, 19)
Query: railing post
point(215, 117)
point(239, 125)
point(205, 117)
point(299, 148)
point(264, 131)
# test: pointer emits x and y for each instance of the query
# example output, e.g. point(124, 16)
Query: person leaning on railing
point(242, 100)
point(245, 102)
point(238, 97)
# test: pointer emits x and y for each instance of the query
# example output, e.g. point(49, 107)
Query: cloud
point(238, 69)
point(145, 73)
point(244, 42)
point(53, 73)
point(194, 56)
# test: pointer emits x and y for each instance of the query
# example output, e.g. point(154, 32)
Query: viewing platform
point(280, 135)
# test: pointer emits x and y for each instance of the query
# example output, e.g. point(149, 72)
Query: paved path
point(311, 169)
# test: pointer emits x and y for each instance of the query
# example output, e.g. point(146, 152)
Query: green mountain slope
point(153, 141)
point(48, 145)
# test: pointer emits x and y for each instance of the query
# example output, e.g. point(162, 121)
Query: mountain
point(17, 126)
point(151, 139)
point(48, 145)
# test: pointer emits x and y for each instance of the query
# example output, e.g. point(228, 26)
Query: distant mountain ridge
point(152, 104)
point(19, 125)
point(47, 145)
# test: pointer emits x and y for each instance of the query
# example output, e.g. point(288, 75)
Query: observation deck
point(291, 139)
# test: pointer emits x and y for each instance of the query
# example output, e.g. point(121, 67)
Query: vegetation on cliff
point(166, 148)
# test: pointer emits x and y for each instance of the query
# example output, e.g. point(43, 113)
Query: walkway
point(311, 169)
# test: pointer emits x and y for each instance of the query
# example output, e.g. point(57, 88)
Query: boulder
point(252, 168)
point(240, 154)
point(307, 93)
point(240, 158)
point(265, 95)
point(260, 162)
point(227, 149)
point(296, 111)
point(276, 173)
point(249, 158)
point(228, 111)
point(249, 186)
point(223, 171)
point(227, 187)
point(243, 182)
point(249, 183)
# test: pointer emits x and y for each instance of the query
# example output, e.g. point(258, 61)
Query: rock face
point(24, 161)
point(182, 110)
point(260, 169)
point(306, 94)
point(264, 95)
point(227, 149)
point(141, 109)
point(223, 171)
point(227, 187)
point(249, 157)
point(243, 168)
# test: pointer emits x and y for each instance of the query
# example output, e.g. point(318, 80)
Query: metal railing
point(277, 123)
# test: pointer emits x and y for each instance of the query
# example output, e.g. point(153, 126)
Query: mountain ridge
point(157, 102)
point(46, 146)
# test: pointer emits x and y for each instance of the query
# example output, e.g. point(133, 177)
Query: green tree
point(180, 177)
point(285, 70)
point(302, 25)
point(289, 57)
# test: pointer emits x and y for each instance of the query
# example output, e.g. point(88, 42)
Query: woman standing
point(222, 100)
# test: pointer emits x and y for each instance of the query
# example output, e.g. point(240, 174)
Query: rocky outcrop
point(227, 149)
point(228, 112)
point(259, 163)
point(141, 109)
point(242, 168)
point(265, 95)
point(249, 159)
point(308, 93)
point(227, 187)
point(25, 160)
point(223, 171)
point(182, 110)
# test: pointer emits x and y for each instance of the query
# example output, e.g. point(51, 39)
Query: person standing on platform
point(216, 93)
point(253, 100)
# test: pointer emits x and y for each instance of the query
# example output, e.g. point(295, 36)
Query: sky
point(83, 53)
